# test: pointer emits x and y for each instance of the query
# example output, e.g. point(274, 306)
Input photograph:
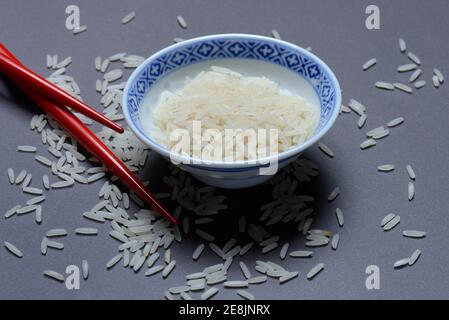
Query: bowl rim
point(189, 161)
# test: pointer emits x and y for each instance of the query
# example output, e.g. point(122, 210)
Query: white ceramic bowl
point(292, 67)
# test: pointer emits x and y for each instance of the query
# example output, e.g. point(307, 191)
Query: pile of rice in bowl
point(222, 115)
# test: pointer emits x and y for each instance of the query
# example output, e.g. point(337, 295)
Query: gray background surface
point(336, 31)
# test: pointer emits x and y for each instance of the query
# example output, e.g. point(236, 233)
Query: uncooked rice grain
point(334, 194)
point(26, 149)
point(411, 191)
point(86, 231)
point(38, 215)
point(113, 261)
point(401, 263)
point(44, 246)
point(79, 30)
point(410, 172)
point(181, 21)
point(326, 150)
point(230, 244)
point(178, 290)
point(362, 120)
point(340, 217)
point(185, 225)
point(395, 122)
point(104, 65)
point(315, 270)
point(85, 269)
point(368, 64)
point(113, 75)
point(204, 235)
point(196, 275)
point(169, 296)
point(35, 200)
point(245, 294)
point(56, 233)
point(245, 270)
point(32, 190)
point(283, 252)
point(386, 167)
point(419, 84)
point(11, 175)
point(345, 109)
point(54, 275)
point(46, 182)
point(269, 247)
point(45, 161)
point(168, 269)
point(317, 243)
point(236, 284)
point(13, 249)
point(367, 144)
point(387, 219)
point(152, 259)
point(403, 87)
point(20, 177)
point(64, 63)
point(257, 280)
point(392, 223)
point(54, 61)
point(439, 75)
point(414, 58)
point(26, 209)
point(12, 211)
point(413, 234)
point(26, 182)
point(209, 293)
point(246, 248)
point(49, 61)
point(117, 56)
point(61, 184)
point(335, 240)
point(269, 241)
point(415, 75)
point(242, 224)
point(185, 296)
point(287, 277)
point(402, 45)
point(435, 81)
point(203, 220)
point(375, 131)
point(414, 257)
point(357, 107)
point(55, 245)
point(95, 177)
point(407, 67)
point(275, 34)
point(130, 16)
point(384, 85)
point(178, 39)
point(153, 270)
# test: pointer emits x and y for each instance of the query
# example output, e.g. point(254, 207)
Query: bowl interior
point(292, 67)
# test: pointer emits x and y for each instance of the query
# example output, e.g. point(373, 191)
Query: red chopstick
point(90, 141)
point(40, 85)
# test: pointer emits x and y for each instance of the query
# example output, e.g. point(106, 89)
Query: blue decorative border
point(279, 54)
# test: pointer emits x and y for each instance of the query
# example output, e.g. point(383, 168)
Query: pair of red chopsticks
point(54, 101)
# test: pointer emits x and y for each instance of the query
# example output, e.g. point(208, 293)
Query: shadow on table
point(242, 202)
point(18, 100)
